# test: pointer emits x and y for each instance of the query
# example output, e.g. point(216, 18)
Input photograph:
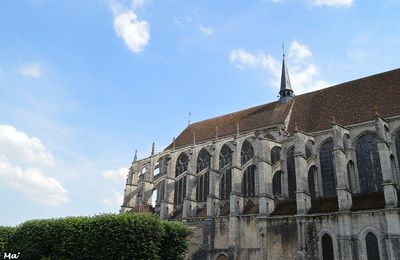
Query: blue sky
point(85, 83)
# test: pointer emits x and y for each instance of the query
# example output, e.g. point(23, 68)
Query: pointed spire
point(286, 92)
point(153, 149)
point(135, 157)
point(173, 143)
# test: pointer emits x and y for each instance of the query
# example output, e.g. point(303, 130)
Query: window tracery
point(327, 169)
point(277, 183)
point(247, 152)
point(248, 181)
point(181, 164)
point(275, 154)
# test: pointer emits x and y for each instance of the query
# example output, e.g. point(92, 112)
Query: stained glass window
point(311, 180)
point(275, 154)
point(181, 164)
point(203, 160)
point(291, 172)
point(202, 187)
point(371, 243)
point(277, 183)
point(327, 247)
point(247, 152)
point(248, 181)
point(180, 190)
point(368, 164)
point(225, 184)
point(225, 156)
point(327, 169)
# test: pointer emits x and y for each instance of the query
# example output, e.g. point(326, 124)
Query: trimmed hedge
point(108, 236)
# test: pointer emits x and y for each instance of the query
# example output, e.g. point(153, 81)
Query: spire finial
point(333, 120)
point(376, 111)
point(135, 157)
point(173, 143)
point(286, 92)
point(153, 149)
point(190, 115)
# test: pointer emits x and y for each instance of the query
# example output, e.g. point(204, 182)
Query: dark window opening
point(248, 181)
point(327, 169)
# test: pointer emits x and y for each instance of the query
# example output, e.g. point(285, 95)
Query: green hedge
point(5, 234)
point(108, 236)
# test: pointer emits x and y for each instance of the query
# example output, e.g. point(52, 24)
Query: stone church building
point(314, 176)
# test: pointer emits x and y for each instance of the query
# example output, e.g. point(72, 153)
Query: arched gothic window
point(203, 160)
point(249, 182)
point(291, 172)
point(371, 244)
point(350, 174)
point(309, 147)
point(247, 152)
point(311, 180)
point(368, 164)
point(202, 187)
point(225, 184)
point(181, 164)
point(327, 169)
point(397, 142)
point(225, 161)
point(225, 156)
point(275, 154)
point(327, 247)
point(277, 183)
point(180, 190)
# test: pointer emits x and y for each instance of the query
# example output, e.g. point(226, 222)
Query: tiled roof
point(351, 102)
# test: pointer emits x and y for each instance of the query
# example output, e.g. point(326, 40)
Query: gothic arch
point(181, 165)
point(246, 152)
point(277, 183)
point(362, 237)
point(327, 245)
point(368, 163)
point(275, 155)
point(203, 160)
point(328, 175)
point(225, 163)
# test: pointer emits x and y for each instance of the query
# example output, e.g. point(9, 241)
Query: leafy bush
point(108, 236)
point(5, 234)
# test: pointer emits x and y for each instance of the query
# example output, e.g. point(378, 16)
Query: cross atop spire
point(286, 92)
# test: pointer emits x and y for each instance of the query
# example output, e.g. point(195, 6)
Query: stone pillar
point(131, 187)
point(148, 183)
point(167, 204)
point(189, 200)
point(212, 199)
point(266, 198)
point(344, 236)
point(388, 183)
point(236, 204)
point(392, 238)
point(303, 198)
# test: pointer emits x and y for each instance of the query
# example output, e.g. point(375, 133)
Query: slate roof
point(350, 103)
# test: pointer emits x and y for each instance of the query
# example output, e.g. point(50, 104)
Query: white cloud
point(115, 199)
point(116, 175)
point(304, 74)
point(136, 4)
point(23, 160)
point(33, 70)
point(206, 29)
point(127, 26)
point(332, 3)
